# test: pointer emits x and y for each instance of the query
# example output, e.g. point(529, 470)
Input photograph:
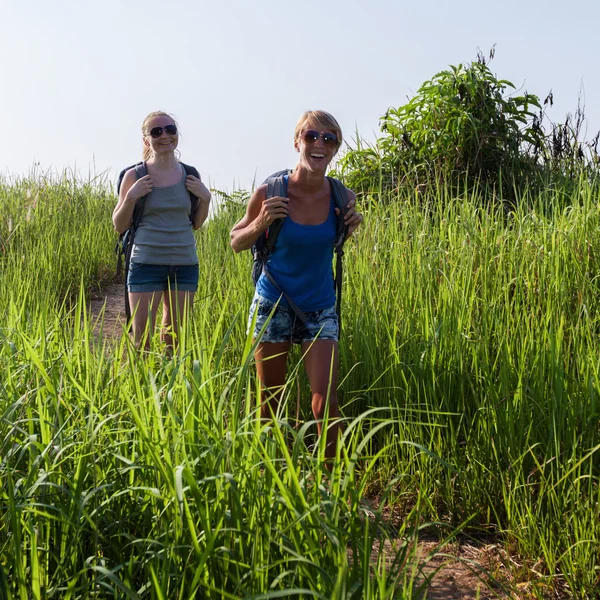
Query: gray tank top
point(165, 235)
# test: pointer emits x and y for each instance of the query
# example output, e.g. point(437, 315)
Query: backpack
point(265, 244)
point(124, 245)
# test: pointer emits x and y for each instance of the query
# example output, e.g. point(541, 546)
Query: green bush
point(466, 126)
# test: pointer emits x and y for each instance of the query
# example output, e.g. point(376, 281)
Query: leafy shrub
point(466, 124)
point(566, 154)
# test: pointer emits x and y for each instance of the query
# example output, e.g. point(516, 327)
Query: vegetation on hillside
point(466, 126)
point(469, 387)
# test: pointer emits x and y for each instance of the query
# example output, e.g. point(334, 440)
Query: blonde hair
point(323, 120)
point(146, 150)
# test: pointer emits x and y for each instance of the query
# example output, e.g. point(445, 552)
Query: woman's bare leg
point(143, 304)
point(271, 362)
point(321, 363)
point(176, 307)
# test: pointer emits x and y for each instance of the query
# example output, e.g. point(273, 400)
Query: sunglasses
point(156, 132)
point(310, 136)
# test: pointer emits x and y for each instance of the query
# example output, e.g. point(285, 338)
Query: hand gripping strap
point(140, 171)
point(340, 198)
point(189, 170)
point(275, 187)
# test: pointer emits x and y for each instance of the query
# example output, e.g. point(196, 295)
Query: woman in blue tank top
point(164, 261)
point(298, 278)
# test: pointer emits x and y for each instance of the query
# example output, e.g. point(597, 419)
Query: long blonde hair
point(147, 150)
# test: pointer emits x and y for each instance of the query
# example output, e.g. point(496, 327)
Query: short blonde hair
point(321, 119)
point(147, 151)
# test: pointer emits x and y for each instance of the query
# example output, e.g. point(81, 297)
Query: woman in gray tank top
point(164, 261)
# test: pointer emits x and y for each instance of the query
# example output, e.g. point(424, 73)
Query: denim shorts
point(143, 277)
point(285, 326)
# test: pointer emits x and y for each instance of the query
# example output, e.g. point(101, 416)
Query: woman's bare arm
point(260, 213)
point(132, 189)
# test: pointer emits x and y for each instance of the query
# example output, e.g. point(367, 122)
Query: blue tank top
point(301, 264)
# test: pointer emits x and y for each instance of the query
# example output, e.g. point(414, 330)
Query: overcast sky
point(78, 78)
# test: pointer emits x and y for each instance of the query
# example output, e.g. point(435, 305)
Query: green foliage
point(469, 369)
point(566, 154)
point(467, 126)
point(232, 203)
point(61, 230)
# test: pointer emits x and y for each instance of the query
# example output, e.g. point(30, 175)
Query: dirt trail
point(457, 572)
point(111, 300)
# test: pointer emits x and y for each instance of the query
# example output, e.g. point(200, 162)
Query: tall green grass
point(481, 329)
point(469, 370)
point(148, 477)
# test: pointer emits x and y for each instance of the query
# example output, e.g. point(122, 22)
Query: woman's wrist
point(129, 199)
point(205, 196)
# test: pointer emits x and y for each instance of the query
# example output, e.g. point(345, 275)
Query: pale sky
point(79, 77)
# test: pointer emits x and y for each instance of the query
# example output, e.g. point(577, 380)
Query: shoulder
point(130, 176)
point(256, 201)
point(125, 181)
point(259, 194)
point(277, 174)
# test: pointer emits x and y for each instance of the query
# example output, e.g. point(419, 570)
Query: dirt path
point(108, 305)
point(459, 571)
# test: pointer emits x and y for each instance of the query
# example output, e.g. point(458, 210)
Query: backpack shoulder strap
point(276, 186)
point(340, 198)
point(125, 243)
point(140, 171)
point(278, 174)
point(189, 170)
point(122, 174)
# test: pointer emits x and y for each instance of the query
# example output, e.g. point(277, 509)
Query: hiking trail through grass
point(460, 570)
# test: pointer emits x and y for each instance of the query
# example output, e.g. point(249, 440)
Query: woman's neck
point(307, 180)
point(163, 162)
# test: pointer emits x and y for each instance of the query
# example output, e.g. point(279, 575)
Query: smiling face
point(165, 142)
point(317, 138)
point(317, 147)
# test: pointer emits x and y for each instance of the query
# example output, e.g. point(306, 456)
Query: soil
point(107, 307)
point(460, 570)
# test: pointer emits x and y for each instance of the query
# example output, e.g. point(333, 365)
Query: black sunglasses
point(310, 136)
point(156, 132)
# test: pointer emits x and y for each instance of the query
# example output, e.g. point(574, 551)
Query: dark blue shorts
point(282, 324)
point(143, 277)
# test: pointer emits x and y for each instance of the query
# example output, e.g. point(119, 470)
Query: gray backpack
point(265, 244)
